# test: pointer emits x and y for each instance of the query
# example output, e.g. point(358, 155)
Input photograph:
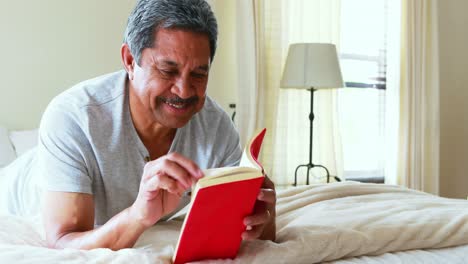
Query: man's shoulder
point(210, 138)
point(212, 109)
point(212, 119)
point(92, 92)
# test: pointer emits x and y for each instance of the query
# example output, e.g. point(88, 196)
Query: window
point(362, 103)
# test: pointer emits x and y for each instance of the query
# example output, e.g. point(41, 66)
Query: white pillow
point(7, 153)
point(23, 140)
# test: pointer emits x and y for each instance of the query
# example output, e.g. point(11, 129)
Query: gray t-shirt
point(88, 144)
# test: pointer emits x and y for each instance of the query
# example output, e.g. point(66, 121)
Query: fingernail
point(260, 195)
point(200, 173)
point(248, 228)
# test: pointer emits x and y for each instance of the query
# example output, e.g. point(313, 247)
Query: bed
point(14, 143)
point(347, 222)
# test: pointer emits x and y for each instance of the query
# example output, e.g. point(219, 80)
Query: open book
point(220, 201)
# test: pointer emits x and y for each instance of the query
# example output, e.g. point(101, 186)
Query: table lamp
point(312, 66)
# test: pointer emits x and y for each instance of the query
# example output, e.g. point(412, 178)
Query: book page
point(247, 160)
point(247, 164)
point(243, 174)
point(225, 171)
point(252, 150)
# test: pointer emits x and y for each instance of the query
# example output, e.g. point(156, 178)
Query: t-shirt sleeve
point(233, 153)
point(63, 149)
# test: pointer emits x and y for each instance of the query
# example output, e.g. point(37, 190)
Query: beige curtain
point(418, 164)
point(250, 91)
point(265, 28)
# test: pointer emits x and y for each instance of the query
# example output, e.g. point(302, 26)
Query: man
point(118, 152)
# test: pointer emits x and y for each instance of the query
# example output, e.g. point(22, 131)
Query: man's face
point(171, 80)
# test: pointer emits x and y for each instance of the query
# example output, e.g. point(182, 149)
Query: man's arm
point(69, 217)
point(69, 223)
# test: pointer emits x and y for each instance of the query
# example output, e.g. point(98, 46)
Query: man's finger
point(175, 171)
point(267, 195)
point(172, 169)
point(166, 183)
point(259, 218)
point(187, 164)
point(252, 232)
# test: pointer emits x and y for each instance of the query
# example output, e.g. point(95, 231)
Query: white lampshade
point(312, 65)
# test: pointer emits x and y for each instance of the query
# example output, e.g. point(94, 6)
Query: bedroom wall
point(223, 75)
point(49, 45)
point(453, 43)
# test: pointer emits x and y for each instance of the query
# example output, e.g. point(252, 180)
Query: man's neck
point(156, 137)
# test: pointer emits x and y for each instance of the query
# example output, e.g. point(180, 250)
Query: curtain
point(418, 163)
point(392, 104)
point(265, 28)
point(250, 94)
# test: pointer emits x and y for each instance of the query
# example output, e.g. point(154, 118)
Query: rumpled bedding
point(318, 223)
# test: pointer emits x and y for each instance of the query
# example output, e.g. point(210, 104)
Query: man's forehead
point(175, 41)
point(171, 63)
point(168, 62)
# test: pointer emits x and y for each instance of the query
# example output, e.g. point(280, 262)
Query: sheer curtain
point(276, 24)
point(392, 110)
point(251, 89)
point(418, 159)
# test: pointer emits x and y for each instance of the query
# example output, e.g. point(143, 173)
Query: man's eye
point(198, 75)
point(168, 73)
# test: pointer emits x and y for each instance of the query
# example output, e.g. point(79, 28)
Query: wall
point(453, 43)
point(223, 76)
point(49, 45)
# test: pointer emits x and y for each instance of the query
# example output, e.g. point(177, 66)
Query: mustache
point(178, 100)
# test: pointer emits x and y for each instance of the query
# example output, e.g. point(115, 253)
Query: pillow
point(20, 188)
point(7, 153)
point(23, 140)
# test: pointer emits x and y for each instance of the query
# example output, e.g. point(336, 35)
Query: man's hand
point(262, 223)
point(163, 182)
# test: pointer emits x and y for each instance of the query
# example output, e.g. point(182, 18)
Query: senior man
point(118, 152)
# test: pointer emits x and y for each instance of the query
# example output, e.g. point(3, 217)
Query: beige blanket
point(314, 224)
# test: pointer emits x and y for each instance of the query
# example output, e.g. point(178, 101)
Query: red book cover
point(213, 226)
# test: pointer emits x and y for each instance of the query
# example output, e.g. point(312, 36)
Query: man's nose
point(183, 88)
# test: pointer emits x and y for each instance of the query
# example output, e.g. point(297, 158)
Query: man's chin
point(174, 122)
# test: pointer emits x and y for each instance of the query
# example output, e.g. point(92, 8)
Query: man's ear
point(128, 60)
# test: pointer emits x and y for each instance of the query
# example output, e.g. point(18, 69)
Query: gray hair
point(151, 15)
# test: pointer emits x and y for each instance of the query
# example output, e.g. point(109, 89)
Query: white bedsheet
point(315, 223)
point(458, 255)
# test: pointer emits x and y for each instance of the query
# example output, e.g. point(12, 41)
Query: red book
point(220, 201)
